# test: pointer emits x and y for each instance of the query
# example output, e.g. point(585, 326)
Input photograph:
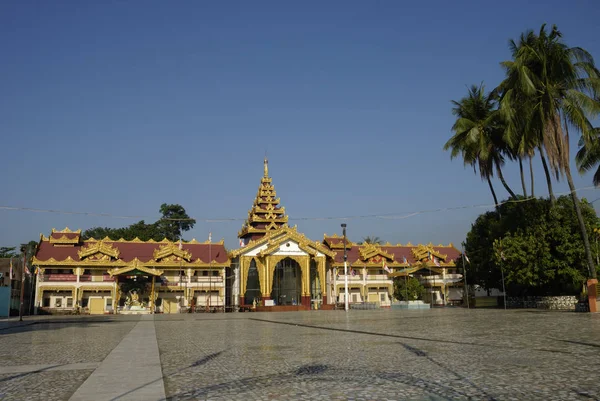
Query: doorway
point(287, 283)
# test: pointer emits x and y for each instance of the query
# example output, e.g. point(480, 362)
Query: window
point(109, 302)
point(204, 273)
point(382, 297)
point(58, 302)
point(354, 298)
point(46, 303)
point(215, 273)
point(69, 302)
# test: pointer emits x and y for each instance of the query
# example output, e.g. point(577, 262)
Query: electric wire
point(388, 216)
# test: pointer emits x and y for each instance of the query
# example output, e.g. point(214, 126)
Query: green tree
point(8, 252)
point(478, 136)
point(560, 86)
point(536, 243)
point(171, 225)
point(408, 287)
point(371, 240)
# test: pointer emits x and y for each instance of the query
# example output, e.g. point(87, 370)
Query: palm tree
point(372, 240)
point(478, 136)
point(516, 108)
point(588, 156)
point(561, 85)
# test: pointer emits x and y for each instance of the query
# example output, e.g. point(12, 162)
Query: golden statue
point(133, 299)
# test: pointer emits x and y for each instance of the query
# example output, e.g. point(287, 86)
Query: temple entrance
point(287, 283)
point(252, 285)
point(135, 292)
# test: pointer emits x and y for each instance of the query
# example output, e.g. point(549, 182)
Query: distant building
point(275, 268)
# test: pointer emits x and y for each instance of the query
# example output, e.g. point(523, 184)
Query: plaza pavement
point(437, 354)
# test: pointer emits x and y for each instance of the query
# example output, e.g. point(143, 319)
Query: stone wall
point(552, 303)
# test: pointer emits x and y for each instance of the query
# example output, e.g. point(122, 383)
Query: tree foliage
point(408, 287)
point(8, 252)
point(537, 244)
point(173, 222)
point(371, 240)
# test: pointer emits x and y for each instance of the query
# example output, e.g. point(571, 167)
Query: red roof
point(130, 250)
point(399, 252)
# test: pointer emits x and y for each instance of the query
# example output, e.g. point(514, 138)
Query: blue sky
point(116, 107)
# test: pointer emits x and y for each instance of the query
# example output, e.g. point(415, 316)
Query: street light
point(345, 269)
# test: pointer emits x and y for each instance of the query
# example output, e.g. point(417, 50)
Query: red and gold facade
point(103, 275)
point(275, 267)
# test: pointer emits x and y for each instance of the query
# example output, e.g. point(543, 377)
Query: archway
point(287, 283)
point(252, 285)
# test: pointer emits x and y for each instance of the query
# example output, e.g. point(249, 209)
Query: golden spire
point(266, 167)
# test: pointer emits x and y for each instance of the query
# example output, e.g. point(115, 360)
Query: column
point(243, 276)
point(263, 278)
point(235, 286)
point(305, 268)
point(322, 277)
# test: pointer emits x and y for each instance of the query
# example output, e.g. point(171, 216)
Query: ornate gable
point(64, 237)
point(421, 252)
point(99, 250)
point(170, 252)
point(373, 253)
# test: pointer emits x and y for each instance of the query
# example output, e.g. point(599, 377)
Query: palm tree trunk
point(531, 173)
point(501, 176)
point(522, 177)
point(493, 192)
point(548, 176)
point(584, 234)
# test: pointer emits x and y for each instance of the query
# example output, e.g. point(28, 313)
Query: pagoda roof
point(374, 254)
point(109, 252)
point(266, 215)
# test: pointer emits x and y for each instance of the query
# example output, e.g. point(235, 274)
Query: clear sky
point(116, 107)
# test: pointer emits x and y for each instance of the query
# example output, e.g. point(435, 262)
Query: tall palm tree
point(516, 107)
point(561, 86)
point(372, 240)
point(478, 136)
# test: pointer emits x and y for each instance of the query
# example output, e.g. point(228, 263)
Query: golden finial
point(266, 167)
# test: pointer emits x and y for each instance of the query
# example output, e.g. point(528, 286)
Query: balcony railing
point(194, 279)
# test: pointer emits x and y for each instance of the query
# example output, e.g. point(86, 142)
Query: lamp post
point(345, 269)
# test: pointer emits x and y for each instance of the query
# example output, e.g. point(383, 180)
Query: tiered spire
point(265, 215)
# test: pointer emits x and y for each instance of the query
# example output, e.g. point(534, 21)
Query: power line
point(388, 216)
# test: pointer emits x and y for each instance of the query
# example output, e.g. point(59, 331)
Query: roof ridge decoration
point(276, 237)
point(369, 251)
point(100, 250)
point(265, 215)
point(66, 230)
point(170, 252)
point(421, 252)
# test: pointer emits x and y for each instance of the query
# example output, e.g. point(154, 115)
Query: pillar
point(305, 268)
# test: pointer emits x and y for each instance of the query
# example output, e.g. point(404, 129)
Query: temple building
point(275, 268)
point(106, 275)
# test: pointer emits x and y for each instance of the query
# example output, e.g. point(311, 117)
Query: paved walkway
point(130, 372)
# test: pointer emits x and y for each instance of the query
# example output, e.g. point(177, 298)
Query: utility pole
point(345, 270)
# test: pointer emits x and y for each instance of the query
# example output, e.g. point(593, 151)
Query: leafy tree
point(561, 87)
point(371, 240)
point(171, 225)
point(8, 252)
point(408, 286)
point(537, 244)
